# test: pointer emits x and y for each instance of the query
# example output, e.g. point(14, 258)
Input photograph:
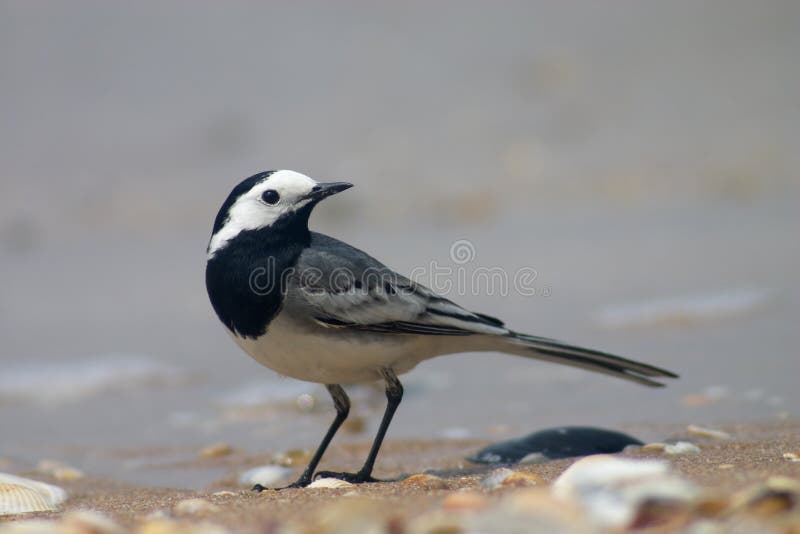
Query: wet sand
point(723, 468)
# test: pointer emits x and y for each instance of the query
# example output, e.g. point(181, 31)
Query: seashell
point(21, 495)
point(266, 475)
point(618, 491)
point(700, 431)
point(89, 522)
point(425, 481)
point(216, 451)
point(681, 447)
point(330, 483)
point(791, 456)
point(195, 506)
point(465, 500)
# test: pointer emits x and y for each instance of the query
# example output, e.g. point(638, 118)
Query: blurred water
point(628, 152)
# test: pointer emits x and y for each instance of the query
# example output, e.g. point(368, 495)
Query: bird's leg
point(394, 394)
point(342, 403)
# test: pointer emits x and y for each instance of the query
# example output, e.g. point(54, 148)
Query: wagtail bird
point(316, 309)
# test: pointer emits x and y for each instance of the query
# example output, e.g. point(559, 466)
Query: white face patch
point(250, 212)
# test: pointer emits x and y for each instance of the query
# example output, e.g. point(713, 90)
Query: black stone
point(555, 443)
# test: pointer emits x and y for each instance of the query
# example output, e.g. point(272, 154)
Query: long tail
point(593, 360)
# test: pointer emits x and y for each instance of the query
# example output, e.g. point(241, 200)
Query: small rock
point(330, 483)
point(426, 481)
point(266, 475)
point(506, 478)
point(700, 431)
point(465, 500)
point(216, 451)
point(654, 447)
point(195, 507)
point(555, 443)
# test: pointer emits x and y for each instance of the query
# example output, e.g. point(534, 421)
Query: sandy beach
point(456, 499)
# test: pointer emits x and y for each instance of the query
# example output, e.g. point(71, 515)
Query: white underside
point(329, 356)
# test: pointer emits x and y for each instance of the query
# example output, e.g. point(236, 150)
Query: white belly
point(330, 356)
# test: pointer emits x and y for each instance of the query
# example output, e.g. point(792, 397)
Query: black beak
point(324, 190)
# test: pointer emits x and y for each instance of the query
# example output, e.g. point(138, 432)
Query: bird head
point(265, 199)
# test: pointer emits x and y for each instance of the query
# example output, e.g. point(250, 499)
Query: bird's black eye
point(270, 196)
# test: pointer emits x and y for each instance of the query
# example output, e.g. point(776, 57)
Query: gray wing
point(343, 287)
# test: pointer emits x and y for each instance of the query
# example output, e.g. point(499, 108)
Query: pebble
point(618, 492)
point(216, 451)
point(330, 483)
point(465, 500)
point(266, 475)
point(195, 507)
point(426, 481)
point(700, 431)
point(22, 495)
point(507, 478)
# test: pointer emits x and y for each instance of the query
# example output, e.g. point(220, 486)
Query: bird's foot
point(353, 478)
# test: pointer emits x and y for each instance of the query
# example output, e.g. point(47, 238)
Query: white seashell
point(613, 490)
point(695, 430)
point(266, 475)
point(330, 483)
point(681, 447)
point(21, 495)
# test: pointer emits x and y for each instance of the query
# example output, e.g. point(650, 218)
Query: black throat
point(247, 279)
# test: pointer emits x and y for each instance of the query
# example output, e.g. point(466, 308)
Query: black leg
point(394, 394)
point(342, 404)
